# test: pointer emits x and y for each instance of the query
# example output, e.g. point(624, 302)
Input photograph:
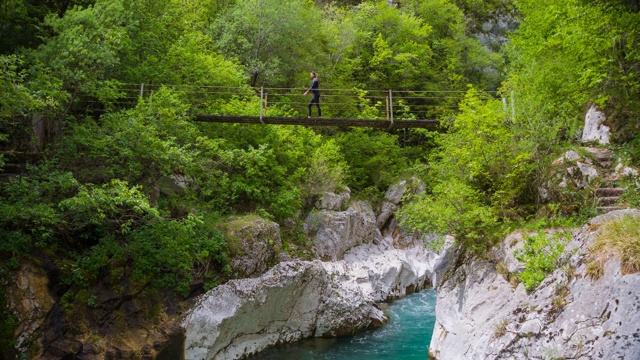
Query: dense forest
point(88, 171)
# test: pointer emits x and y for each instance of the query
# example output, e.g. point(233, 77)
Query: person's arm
point(314, 85)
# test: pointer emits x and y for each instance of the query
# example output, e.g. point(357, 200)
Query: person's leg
point(316, 99)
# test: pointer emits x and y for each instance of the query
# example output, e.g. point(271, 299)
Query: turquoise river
point(405, 336)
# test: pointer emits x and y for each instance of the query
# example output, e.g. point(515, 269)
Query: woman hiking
point(316, 94)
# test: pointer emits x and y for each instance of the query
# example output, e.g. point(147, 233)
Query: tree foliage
point(134, 189)
point(570, 53)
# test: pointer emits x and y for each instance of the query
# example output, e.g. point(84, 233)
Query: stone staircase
point(608, 194)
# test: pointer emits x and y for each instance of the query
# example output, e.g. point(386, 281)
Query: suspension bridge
point(382, 109)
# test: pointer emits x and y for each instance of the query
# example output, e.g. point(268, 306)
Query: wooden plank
point(380, 124)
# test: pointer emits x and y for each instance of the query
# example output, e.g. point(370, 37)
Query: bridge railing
point(290, 102)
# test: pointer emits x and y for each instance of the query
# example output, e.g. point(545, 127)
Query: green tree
point(20, 21)
point(459, 57)
point(567, 54)
point(481, 176)
point(390, 50)
point(86, 46)
point(274, 40)
point(374, 159)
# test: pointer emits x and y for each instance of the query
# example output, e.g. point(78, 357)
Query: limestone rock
point(395, 192)
point(294, 300)
point(625, 171)
point(440, 261)
point(386, 212)
point(28, 298)
point(173, 185)
point(336, 232)
point(257, 243)
point(479, 315)
point(332, 201)
point(301, 299)
point(569, 156)
point(594, 130)
point(614, 215)
point(504, 252)
point(584, 175)
point(576, 169)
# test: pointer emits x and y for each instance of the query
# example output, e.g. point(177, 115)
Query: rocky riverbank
point(373, 261)
point(302, 299)
point(480, 314)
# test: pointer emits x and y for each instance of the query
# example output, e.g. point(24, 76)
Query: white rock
point(301, 299)
point(332, 201)
point(570, 156)
point(625, 171)
point(258, 245)
point(336, 232)
point(479, 314)
point(594, 130)
point(396, 192)
point(386, 212)
point(588, 172)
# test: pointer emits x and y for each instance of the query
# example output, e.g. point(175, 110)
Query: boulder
point(569, 156)
point(332, 201)
point(335, 232)
point(396, 192)
point(586, 173)
point(294, 300)
point(576, 170)
point(625, 171)
point(173, 185)
point(594, 130)
point(29, 300)
point(256, 243)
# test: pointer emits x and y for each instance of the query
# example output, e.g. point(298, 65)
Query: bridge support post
point(261, 103)
point(513, 107)
point(387, 106)
point(141, 89)
point(390, 109)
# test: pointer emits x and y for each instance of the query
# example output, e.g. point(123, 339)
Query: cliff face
point(480, 315)
point(374, 260)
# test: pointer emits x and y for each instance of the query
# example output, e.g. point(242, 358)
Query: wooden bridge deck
point(380, 124)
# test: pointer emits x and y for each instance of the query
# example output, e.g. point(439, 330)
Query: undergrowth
point(620, 239)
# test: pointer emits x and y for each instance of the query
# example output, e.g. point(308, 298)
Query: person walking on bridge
point(316, 94)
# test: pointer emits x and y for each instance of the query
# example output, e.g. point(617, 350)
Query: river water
point(406, 336)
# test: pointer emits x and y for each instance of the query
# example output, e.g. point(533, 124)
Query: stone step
point(605, 164)
point(606, 209)
point(609, 191)
point(600, 154)
point(607, 200)
point(610, 182)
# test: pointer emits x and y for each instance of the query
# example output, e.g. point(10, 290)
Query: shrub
point(453, 208)
point(541, 255)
